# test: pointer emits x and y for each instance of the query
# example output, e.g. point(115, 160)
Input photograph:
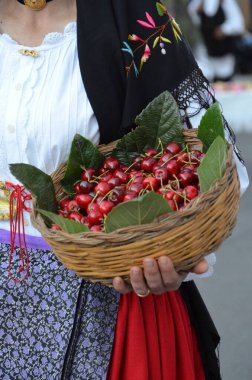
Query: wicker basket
point(185, 236)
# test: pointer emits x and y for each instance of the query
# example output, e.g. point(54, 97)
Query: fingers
point(156, 276)
point(121, 286)
point(201, 267)
point(171, 279)
point(138, 282)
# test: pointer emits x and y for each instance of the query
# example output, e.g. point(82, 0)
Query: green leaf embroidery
point(156, 41)
point(211, 126)
point(161, 9)
point(66, 225)
point(137, 211)
point(83, 154)
point(38, 183)
point(213, 165)
point(165, 40)
point(159, 121)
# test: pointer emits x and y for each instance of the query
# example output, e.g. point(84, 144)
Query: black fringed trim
point(195, 93)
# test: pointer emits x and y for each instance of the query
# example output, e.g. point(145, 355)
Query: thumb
point(201, 267)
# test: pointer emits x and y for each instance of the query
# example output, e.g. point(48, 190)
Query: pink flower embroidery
point(155, 38)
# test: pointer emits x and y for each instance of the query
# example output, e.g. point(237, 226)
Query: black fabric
point(215, 47)
point(100, 40)
point(116, 100)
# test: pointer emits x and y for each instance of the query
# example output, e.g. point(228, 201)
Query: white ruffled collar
point(52, 38)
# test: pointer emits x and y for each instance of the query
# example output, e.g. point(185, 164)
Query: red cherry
point(161, 175)
point(106, 177)
point(173, 167)
point(102, 188)
point(136, 162)
point(83, 200)
point(77, 189)
point(175, 196)
point(124, 168)
point(116, 195)
point(72, 206)
point(138, 179)
point(135, 187)
point(182, 158)
point(64, 204)
point(185, 178)
point(106, 206)
point(85, 187)
point(190, 167)
point(94, 217)
point(84, 220)
point(56, 227)
point(194, 174)
point(150, 183)
point(123, 177)
point(148, 164)
point(111, 164)
point(196, 153)
point(156, 166)
point(130, 195)
point(76, 216)
point(173, 148)
point(88, 174)
point(135, 173)
point(164, 158)
point(151, 152)
point(201, 156)
point(96, 228)
point(191, 192)
point(102, 170)
point(93, 207)
point(114, 181)
point(172, 205)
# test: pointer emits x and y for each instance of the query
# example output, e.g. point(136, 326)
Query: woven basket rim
point(99, 238)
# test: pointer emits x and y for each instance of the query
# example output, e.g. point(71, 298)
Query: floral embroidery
point(156, 37)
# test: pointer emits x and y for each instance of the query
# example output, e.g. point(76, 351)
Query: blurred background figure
point(222, 26)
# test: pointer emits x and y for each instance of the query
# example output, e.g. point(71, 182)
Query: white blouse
point(43, 104)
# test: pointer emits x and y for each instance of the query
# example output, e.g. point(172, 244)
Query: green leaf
point(67, 225)
point(156, 41)
point(211, 126)
point(160, 8)
point(165, 40)
point(38, 183)
point(159, 121)
point(213, 165)
point(83, 154)
point(137, 211)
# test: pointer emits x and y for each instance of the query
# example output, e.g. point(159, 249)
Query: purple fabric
point(34, 242)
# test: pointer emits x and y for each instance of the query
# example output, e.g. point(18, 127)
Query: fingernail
point(163, 260)
point(135, 271)
point(149, 263)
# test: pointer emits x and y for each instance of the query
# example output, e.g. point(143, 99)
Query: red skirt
point(154, 340)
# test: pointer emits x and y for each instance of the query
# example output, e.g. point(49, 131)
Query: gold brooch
point(35, 5)
point(29, 53)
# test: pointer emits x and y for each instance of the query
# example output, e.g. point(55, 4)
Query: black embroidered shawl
point(116, 99)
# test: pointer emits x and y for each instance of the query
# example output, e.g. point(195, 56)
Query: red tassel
point(18, 196)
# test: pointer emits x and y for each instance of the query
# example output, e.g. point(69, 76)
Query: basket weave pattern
point(185, 236)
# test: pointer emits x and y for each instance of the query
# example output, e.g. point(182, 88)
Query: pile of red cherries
point(172, 173)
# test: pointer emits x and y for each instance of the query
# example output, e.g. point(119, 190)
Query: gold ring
point(143, 295)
